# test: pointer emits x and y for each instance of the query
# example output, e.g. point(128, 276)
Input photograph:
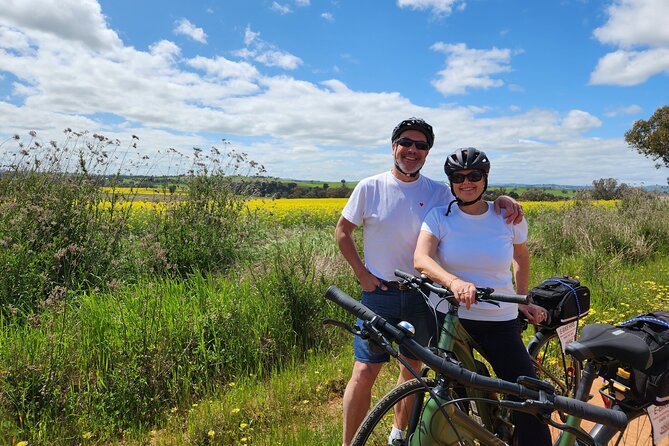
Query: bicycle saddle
point(605, 340)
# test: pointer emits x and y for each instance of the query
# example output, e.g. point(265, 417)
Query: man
point(391, 207)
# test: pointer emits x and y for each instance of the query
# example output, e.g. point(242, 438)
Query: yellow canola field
point(319, 210)
point(322, 208)
point(137, 190)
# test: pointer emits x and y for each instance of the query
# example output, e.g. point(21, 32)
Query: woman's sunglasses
point(407, 142)
point(473, 176)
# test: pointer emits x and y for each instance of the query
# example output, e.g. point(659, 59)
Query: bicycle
point(545, 350)
point(439, 415)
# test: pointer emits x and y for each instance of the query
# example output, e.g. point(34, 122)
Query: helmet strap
point(465, 203)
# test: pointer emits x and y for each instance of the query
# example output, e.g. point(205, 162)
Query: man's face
point(410, 159)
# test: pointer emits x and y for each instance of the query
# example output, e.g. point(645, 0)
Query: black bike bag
point(652, 383)
point(564, 298)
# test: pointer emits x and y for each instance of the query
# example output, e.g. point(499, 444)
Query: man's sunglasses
point(473, 176)
point(407, 142)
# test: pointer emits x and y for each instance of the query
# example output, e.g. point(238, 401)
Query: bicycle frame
point(454, 339)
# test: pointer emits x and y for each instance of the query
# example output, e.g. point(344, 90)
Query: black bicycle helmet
point(414, 124)
point(467, 158)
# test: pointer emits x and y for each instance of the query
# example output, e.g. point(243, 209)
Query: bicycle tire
point(378, 423)
point(554, 365)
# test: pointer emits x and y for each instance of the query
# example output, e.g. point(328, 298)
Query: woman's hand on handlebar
point(464, 292)
point(534, 313)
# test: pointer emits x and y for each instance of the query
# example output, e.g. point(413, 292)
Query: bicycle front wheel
point(552, 364)
point(405, 401)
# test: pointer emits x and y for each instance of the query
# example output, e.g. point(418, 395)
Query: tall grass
point(60, 231)
point(110, 363)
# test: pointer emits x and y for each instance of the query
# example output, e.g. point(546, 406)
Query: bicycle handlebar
point(481, 293)
point(466, 377)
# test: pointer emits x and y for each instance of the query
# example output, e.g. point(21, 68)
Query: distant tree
point(651, 138)
point(343, 183)
point(536, 194)
point(325, 186)
point(607, 189)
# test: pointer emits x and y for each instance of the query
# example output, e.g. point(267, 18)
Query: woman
point(469, 245)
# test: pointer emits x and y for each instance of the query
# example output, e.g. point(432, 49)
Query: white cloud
point(627, 110)
point(224, 68)
point(64, 19)
point(639, 28)
point(186, 28)
point(266, 53)
point(281, 59)
point(580, 121)
point(328, 16)
point(470, 68)
point(249, 35)
point(13, 40)
point(439, 7)
point(630, 67)
point(302, 2)
point(281, 9)
point(165, 49)
point(636, 22)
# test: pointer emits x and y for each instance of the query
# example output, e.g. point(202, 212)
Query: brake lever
point(343, 325)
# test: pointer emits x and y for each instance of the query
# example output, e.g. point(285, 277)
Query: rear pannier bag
point(652, 384)
point(564, 298)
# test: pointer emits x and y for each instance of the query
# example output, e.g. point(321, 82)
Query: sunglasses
point(407, 142)
point(473, 176)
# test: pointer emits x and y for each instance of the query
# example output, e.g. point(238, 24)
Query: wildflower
point(235, 410)
point(243, 425)
point(22, 443)
point(87, 435)
point(173, 410)
point(211, 434)
point(232, 384)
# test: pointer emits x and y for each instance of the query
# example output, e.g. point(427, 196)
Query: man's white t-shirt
point(391, 213)
point(478, 249)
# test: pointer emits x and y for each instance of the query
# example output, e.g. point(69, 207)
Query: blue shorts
point(396, 306)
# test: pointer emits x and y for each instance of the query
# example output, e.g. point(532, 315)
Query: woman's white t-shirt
point(478, 249)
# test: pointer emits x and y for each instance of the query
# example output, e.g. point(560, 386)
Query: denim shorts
point(396, 306)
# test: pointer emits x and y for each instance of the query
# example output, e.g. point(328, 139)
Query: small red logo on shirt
point(421, 204)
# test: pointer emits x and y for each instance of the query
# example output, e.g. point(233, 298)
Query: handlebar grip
point(406, 276)
point(513, 298)
point(613, 418)
point(349, 304)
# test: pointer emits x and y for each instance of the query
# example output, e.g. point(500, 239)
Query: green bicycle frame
point(433, 425)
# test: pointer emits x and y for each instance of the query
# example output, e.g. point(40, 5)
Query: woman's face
point(468, 184)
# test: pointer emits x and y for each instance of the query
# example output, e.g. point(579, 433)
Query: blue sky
point(311, 89)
